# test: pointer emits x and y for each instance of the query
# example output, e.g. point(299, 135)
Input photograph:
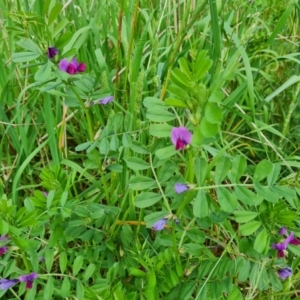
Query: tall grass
point(82, 185)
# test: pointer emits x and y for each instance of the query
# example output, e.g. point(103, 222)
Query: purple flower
point(180, 188)
point(160, 224)
point(28, 279)
point(5, 284)
point(105, 100)
point(45, 194)
point(52, 52)
point(291, 240)
point(180, 137)
point(280, 247)
point(71, 67)
point(3, 237)
point(283, 231)
point(284, 273)
point(3, 250)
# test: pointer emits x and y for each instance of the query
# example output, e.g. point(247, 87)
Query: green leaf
point(166, 172)
point(274, 280)
point(198, 137)
point(249, 228)
point(184, 67)
point(200, 205)
point(154, 103)
point(49, 289)
point(24, 56)
point(137, 272)
point(89, 271)
point(79, 290)
point(4, 227)
point(50, 198)
point(146, 199)
point(44, 72)
point(61, 25)
point(273, 175)
point(77, 265)
point(114, 143)
point(262, 170)
point(77, 39)
point(54, 13)
point(175, 102)
point(244, 216)
point(227, 200)
point(202, 65)
point(213, 113)
point(238, 167)
point(126, 140)
point(139, 148)
point(159, 115)
point(180, 78)
point(49, 258)
point(65, 287)
point(63, 261)
point(235, 294)
point(167, 152)
point(262, 241)
point(244, 272)
point(266, 193)
point(30, 45)
point(208, 129)
point(222, 169)
point(160, 130)
point(137, 164)
point(246, 196)
point(83, 146)
point(141, 183)
point(200, 169)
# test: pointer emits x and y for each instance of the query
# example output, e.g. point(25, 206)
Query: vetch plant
point(181, 137)
point(281, 247)
point(285, 272)
point(3, 250)
point(52, 52)
point(181, 187)
point(72, 67)
point(8, 283)
point(104, 101)
point(28, 279)
point(5, 284)
point(160, 224)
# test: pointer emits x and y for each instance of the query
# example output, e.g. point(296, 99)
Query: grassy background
point(91, 159)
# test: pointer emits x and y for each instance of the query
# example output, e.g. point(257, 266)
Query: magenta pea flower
point(52, 52)
point(3, 250)
point(281, 247)
point(71, 67)
point(285, 272)
point(5, 284)
point(28, 279)
point(181, 187)
point(160, 224)
point(180, 137)
point(104, 101)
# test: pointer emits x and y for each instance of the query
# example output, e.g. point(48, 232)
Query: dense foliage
point(149, 149)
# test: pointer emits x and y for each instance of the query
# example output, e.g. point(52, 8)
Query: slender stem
point(210, 187)
point(159, 186)
point(86, 111)
point(119, 44)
